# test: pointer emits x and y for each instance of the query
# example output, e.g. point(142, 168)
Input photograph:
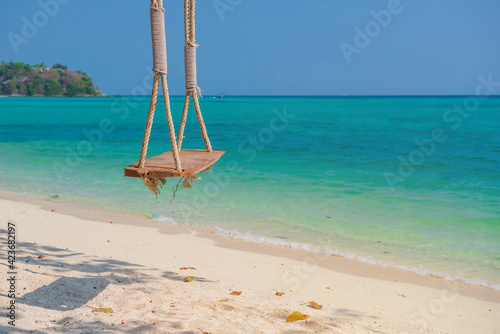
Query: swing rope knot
point(159, 40)
point(190, 68)
point(157, 3)
point(192, 89)
point(156, 179)
point(160, 73)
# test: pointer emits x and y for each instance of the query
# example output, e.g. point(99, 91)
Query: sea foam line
point(165, 219)
point(259, 239)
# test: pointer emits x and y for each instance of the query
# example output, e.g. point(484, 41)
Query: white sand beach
point(73, 260)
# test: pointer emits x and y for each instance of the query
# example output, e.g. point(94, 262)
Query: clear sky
point(268, 47)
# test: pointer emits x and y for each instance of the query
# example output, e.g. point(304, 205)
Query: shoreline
point(419, 271)
point(328, 261)
point(129, 266)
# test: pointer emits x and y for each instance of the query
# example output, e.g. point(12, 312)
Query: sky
point(267, 47)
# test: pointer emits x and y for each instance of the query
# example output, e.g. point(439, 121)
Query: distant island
point(19, 79)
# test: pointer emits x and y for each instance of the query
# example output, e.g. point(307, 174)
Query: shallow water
point(395, 180)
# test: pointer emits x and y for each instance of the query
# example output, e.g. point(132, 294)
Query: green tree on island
point(62, 67)
point(19, 79)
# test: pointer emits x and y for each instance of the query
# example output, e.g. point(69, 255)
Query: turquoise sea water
point(401, 181)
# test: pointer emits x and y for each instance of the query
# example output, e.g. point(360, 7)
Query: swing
point(175, 163)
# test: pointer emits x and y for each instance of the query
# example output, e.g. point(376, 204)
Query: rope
point(204, 133)
point(159, 39)
point(160, 71)
point(192, 88)
point(190, 68)
point(156, 3)
point(153, 184)
point(186, 21)
point(193, 28)
point(149, 122)
point(190, 47)
point(171, 129)
point(180, 137)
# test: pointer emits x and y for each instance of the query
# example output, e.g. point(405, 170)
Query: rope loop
point(192, 89)
point(160, 69)
point(190, 48)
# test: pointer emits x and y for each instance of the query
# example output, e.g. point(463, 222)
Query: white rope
point(190, 68)
point(159, 40)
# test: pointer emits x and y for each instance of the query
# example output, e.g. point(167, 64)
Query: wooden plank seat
point(161, 166)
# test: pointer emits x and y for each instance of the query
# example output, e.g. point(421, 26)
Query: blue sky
point(277, 47)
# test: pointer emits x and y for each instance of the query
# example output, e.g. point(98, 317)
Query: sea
point(406, 182)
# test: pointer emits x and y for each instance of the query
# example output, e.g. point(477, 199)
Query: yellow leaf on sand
point(103, 310)
point(223, 300)
point(315, 305)
point(235, 293)
point(278, 293)
point(188, 268)
point(188, 279)
point(296, 316)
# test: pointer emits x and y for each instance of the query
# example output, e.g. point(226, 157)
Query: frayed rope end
point(154, 184)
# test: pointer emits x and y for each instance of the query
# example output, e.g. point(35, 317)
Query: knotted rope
point(192, 89)
point(160, 72)
point(190, 68)
point(159, 39)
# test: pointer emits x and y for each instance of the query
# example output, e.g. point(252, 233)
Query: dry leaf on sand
point(103, 310)
point(188, 268)
point(188, 279)
point(278, 293)
point(235, 293)
point(296, 316)
point(314, 305)
point(223, 300)
point(41, 256)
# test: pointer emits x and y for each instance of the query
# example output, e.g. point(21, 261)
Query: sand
point(133, 266)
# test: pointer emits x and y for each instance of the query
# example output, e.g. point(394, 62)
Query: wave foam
point(420, 270)
point(165, 219)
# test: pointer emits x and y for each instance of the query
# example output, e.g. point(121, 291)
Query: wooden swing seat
point(163, 165)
